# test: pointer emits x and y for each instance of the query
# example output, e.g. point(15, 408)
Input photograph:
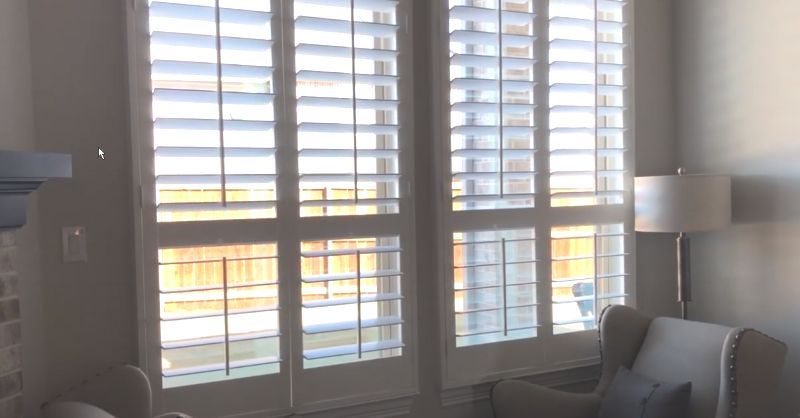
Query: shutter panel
point(214, 153)
point(588, 268)
point(221, 98)
point(495, 286)
point(213, 110)
point(587, 128)
point(351, 300)
point(557, 197)
point(219, 312)
point(492, 104)
point(347, 106)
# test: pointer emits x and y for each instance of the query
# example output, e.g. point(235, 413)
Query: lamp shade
point(682, 203)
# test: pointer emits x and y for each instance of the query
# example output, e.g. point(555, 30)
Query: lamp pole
point(684, 274)
point(684, 268)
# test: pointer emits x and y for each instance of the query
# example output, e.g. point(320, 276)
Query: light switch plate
point(73, 244)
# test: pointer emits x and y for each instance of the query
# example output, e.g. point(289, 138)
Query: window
point(275, 210)
point(538, 215)
point(277, 194)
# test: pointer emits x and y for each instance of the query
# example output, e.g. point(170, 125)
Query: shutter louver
point(492, 104)
point(587, 50)
point(213, 109)
point(351, 300)
point(347, 106)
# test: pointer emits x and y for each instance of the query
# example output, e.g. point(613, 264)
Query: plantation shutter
point(346, 60)
point(538, 215)
point(279, 150)
point(492, 104)
point(213, 94)
point(587, 86)
point(352, 90)
point(360, 284)
point(347, 75)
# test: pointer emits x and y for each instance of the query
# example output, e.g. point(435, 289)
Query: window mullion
point(288, 207)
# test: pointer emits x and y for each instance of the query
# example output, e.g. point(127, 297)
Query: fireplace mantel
point(21, 173)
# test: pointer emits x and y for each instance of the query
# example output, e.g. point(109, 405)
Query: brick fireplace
point(10, 331)
point(21, 173)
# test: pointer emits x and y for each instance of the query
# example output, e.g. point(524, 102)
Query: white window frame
point(283, 393)
point(480, 364)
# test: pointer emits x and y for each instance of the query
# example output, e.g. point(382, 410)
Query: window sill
point(389, 404)
point(585, 372)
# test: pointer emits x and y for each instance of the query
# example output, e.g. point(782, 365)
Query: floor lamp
point(682, 204)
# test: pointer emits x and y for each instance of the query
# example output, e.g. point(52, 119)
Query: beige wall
point(16, 116)
point(738, 102)
point(80, 102)
point(17, 133)
point(655, 147)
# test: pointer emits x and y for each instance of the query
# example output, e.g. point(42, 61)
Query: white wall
point(16, 133)
point(80, 102)
point(738, 106)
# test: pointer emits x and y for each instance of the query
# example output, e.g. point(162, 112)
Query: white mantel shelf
point(21, 173)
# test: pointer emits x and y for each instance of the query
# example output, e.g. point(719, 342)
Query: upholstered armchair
point(734, 371)
point(119, 392)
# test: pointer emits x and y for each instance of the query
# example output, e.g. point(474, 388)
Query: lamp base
point(684, 273)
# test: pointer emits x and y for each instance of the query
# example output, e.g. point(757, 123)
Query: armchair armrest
point(122, 391)
point(518, 399)
point(622, 332)
point(72, 409)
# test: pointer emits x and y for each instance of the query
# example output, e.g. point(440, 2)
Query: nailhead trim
point(732, 366)
point(734, 403)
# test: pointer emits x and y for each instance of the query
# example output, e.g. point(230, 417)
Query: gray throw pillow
point(634, 396)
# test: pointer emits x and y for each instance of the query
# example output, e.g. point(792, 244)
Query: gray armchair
point(734, 371)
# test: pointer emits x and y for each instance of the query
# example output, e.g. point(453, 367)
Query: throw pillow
point(634, 396)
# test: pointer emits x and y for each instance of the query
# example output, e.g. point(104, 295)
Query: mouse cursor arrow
point(100, 154)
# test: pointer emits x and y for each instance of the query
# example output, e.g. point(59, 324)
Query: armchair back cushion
point(676, 350)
